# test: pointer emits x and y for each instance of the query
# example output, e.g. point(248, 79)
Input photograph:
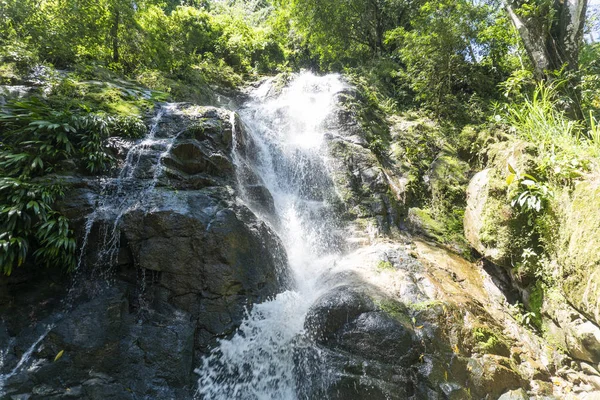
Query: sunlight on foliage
point(39, 140)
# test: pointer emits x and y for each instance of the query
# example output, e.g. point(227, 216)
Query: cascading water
point(23, 361)
point(120, 194)
point(129, 188)
point(265, 358)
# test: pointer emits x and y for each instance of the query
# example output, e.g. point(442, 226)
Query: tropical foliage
point(38, 142)
point(99, 66)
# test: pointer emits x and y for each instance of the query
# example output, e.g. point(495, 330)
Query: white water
point(265, 358)
point(128, 191)
point(23, 361)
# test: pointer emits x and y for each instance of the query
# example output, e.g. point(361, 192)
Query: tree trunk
point(114, 33)
point(553, 44)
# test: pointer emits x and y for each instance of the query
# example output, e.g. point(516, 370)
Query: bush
point(37, 140)
point(28, 221)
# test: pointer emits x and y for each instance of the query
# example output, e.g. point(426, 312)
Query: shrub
point(36, 140)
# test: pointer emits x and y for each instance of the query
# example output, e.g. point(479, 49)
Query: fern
point(35, 139)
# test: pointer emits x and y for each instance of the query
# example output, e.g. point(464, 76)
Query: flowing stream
point(268, 356)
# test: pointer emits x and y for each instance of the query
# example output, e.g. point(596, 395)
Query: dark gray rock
point(108, 352)
point(369, 351)
point(169, 266)
point(212, 256)
point(338, 307)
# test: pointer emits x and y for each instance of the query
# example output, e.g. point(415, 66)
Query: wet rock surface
point(169, 266)
point(412, 320)
point(156, 288)
point(401, 327)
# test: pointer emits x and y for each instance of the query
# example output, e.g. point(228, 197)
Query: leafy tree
point(350, 32)
point(552, 33)
point(453, 53)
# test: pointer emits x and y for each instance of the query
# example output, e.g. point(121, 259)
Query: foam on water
point(265, 358)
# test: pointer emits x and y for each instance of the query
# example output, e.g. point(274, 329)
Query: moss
point(423, 222)
point(416, 146)
point(124, 108)
point(503, 231)
point(368, 109)
point(536, 301)
point(489, 341)
point(395, 309)
point(114, 96)
point(435, 177)
point(466, 142)
point(446, 228)
point(425, 305)
point(385, 266)
point(496, 231)
point(448, 179)
point(578, 252)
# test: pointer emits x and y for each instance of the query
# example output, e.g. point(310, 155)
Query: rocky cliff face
point(565, 297)
point(156, 288)
point(172, 256)
point(446, 324)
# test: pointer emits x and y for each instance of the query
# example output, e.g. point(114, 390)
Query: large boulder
point(209, 255)
point(567, 310)
point(487, 219)
point(579, 249)
point(491, 225)
point(395, 327)
point(368, 352)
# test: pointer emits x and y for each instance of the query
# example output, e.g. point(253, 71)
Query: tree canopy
point(457, 60)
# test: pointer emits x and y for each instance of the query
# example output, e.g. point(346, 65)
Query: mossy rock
point(579, 249)
point(395, 309)
point(448, 178)
point(422, 222)
point(491, 225)
point(490, 341)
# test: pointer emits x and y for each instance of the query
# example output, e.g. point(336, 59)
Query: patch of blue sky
point(593, 29)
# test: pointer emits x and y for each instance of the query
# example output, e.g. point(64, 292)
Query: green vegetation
point(489, 341)
point(38, 141)
point(445, 88)
point(395, 309)
point(385, 265)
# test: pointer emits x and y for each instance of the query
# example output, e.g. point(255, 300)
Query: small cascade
point(128, 190)
point(23, 362)
point(265, 358)
point(141, 170)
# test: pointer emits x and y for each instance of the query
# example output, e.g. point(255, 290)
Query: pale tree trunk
point(553, 44)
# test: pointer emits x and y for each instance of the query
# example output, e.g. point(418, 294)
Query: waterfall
point(129, 189)
point(23, 361)
point(265, 359)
